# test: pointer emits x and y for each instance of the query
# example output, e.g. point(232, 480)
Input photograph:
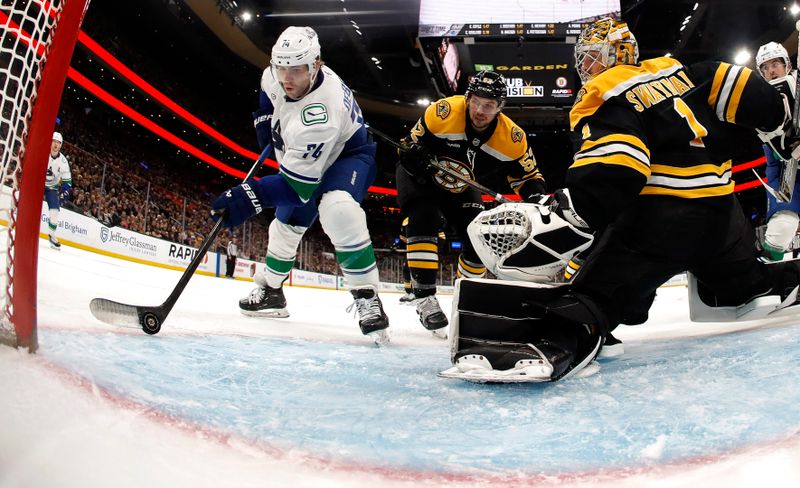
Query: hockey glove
point(560, 203)
point(263, 124)
point(237, 204)
point(65, 192)
point(416, 160)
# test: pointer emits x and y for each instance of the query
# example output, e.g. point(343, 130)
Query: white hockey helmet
point(772, 50)
point(57, 137)
point(526, 241)
point(297, 46)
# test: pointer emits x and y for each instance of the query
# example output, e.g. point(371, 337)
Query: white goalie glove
point(526, 241)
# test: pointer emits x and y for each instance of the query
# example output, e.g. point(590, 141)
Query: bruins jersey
point(502, 149)
point(661, 129)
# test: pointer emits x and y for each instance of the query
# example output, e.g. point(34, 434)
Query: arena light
point(742, 57)
point(794, 9)
point(246, 16)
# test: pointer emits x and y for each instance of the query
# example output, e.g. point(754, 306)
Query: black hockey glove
point(416, 160)
point(786, 143)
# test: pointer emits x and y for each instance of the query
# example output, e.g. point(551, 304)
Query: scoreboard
point(536, 30)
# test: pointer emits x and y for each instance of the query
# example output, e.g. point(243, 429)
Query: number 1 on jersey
point(697, 128)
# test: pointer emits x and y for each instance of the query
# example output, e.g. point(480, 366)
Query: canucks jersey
point(661, 129)
point(309, 134)
point(501, 149)
point(57, 172)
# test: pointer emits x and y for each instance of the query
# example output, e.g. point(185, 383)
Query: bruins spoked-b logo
point(442, 109)
point(451, 183)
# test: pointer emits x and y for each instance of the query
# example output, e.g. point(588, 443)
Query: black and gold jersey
point(500, 150)
point(661, 129)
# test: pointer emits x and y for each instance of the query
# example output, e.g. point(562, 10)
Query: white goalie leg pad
point(53, 220)
point(282, 247)
point(781, 229)
point(526, 241)
point(345, 222)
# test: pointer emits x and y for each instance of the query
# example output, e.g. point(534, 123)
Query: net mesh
point(26, 29)
point(503, 229)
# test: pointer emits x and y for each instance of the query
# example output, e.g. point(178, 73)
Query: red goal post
point(37, 38)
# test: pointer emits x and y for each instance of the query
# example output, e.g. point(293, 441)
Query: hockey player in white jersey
point(326, 164)
point(775, 66)
point(57, 186)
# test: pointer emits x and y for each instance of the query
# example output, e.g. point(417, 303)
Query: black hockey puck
point(151, 324)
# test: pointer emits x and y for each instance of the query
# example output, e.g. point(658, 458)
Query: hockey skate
point(407, 299)
point(431, 316)
point(264, 302)
point(372, 319)
point(54, 242)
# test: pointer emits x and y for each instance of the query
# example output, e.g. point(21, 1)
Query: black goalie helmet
point(488, 84)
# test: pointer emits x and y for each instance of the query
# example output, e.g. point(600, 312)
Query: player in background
point(327, 163)
point(408, 298)
point(775, 66)
point(651, 169)
point(470, 134)
point(57, 186)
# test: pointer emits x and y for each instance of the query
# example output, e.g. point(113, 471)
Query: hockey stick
point(789, 169)
point(151, 318)
point(455, 174)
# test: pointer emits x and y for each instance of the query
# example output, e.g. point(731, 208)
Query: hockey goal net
point(37, 38)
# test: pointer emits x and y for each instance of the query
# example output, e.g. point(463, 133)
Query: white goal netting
point(26, 30)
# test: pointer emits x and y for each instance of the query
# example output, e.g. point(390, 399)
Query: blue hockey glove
point(262, 123)
point(65, 192)
point(238, 204)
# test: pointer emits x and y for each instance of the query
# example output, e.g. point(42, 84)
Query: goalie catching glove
point(238, 204)
point(530, 242)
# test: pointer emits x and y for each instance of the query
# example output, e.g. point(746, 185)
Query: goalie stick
point(468, 181)
point(150, 318)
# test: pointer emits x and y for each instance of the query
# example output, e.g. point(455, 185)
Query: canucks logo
point(313, 114)
point(442, 109)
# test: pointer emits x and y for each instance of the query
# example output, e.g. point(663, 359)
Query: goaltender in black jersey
point(651, 178)
point(471, 136)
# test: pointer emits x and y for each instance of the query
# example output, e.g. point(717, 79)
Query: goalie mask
point(525, 241)
point(602, 44)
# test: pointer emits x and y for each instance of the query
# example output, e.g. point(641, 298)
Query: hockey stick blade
point(148, 319)
point(151, 318)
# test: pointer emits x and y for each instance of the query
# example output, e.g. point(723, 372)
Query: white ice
point(79, 413)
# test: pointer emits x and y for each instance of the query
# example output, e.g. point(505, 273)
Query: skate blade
point(440, 333)
point(380, 337)
point(275, 313)
point(491, 376)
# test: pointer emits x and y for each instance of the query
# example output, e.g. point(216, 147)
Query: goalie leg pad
point(521, 329)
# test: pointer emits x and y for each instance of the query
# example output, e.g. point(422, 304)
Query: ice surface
point(219, 399)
